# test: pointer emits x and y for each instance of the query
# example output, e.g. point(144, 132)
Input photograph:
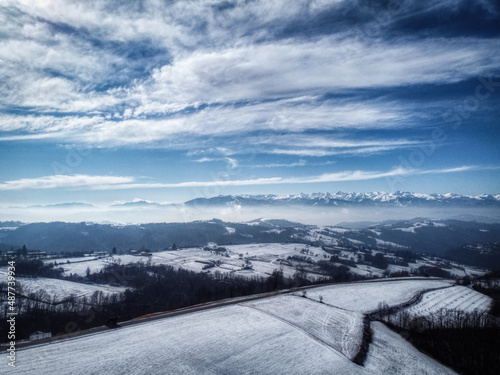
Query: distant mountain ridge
point(338, 199)
point(397, 199)
point(476, 243)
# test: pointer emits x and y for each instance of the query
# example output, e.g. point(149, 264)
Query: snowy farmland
point(229, 340)
point(286, 334)
point(338, 328)
point(56, 290)
point(265, 259)
point(78, 266)
point(453, 298)
point(365, 297)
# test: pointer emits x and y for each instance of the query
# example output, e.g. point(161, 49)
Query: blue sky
point(104, 101)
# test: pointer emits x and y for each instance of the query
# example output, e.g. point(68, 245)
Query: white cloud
point(219, 77)
point(233, 163)
point(213, 57)
point(355, 175)
point(85, 182)
point(205, 160)
point(318, 146)
point(280, 116)
point(464, 168)
point(283, 68)
point(66, 181)
point(321, 152)
point(300, 163)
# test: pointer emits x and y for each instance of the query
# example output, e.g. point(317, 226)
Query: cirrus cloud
point(85, 182)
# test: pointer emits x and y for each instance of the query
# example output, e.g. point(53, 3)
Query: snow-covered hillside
point(265, 258)
point(398, 199)
point(454, 298)
point(56, 289)
point(365, 297)
point(288, 334)
point(337, 328)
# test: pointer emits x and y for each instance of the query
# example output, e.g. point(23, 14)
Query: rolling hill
point(287, 334)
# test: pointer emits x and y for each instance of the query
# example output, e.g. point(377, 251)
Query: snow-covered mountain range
point(398, 199)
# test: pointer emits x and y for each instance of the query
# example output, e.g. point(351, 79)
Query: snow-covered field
point(454, 298)
point(285, 334)
point(365, 296)
point(464, 270)
point(56, 290)
point(79, 266)
point(229, 340)
point(338, 328)
point(265, 259)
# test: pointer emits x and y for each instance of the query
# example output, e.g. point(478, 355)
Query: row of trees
point(468, 342)
point(35, 267)
point(441, 319)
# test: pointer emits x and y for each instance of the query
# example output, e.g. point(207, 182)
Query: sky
point(111, 101)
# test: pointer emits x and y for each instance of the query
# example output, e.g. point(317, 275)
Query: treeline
point(468, 342)
point(425, 271)
point(35, 267)
point(441, 319)
point(489, 285)
point(337, 273)
point(484, 254)
point(377, 261)
point(345, 261)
